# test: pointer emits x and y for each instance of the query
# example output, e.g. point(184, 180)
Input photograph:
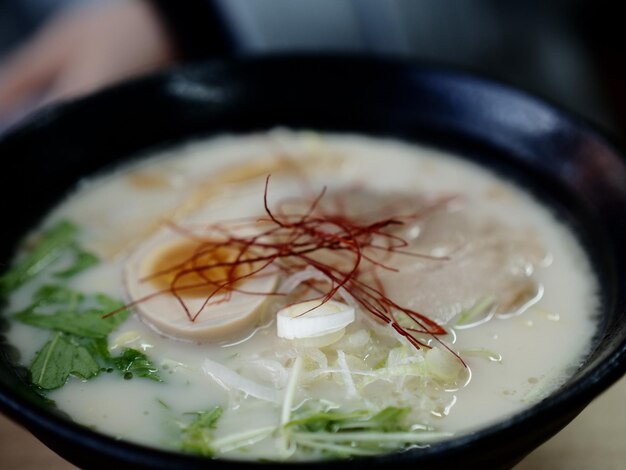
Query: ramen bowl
point(562, 161)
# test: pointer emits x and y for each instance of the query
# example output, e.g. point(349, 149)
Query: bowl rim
point(598, 379)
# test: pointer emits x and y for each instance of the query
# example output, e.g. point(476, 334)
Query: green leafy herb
point(97, 347)
point(65, 310)
point(58, 359)
point(198, 435)
point(65, 354)
point(54, 294)
point(323, 429)
point(387, 420)
point(89, 324)
point(134, 363)
point(51, 246)
point(357, 433)
point(80, 346)
point(83, 260)
point(107, 304)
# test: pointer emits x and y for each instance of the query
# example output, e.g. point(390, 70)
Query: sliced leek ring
point(313, 318)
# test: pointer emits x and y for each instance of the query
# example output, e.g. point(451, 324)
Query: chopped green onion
point(52, 244)
point(479, 308)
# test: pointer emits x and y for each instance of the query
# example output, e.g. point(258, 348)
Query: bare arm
point(84, 49)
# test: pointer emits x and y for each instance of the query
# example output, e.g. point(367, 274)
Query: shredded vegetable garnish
point(359, 432)
point(230, 379)
point(479, 311)
point(198, 435)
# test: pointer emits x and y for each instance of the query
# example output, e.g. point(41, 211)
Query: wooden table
point(594, 440)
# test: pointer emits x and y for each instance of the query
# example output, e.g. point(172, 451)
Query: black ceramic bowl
point(565, 163)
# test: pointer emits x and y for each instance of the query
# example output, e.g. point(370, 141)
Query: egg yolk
point(197, 269)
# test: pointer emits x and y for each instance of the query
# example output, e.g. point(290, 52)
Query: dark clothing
point(548, 48)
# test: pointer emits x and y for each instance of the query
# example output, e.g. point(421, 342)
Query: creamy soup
point(293, 295)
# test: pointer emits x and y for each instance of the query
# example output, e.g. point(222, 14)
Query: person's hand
point(82, 50)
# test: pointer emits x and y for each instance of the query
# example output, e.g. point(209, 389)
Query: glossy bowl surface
point(562, 160)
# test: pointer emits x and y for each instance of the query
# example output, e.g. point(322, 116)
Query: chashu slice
point(484, 260)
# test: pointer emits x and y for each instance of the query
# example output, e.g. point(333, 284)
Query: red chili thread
point(289, 242)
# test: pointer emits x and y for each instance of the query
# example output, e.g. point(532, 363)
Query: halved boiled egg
point(197, 289)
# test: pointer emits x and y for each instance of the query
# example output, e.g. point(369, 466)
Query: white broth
point(501, 290)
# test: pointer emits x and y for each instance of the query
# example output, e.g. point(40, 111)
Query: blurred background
point(568, 51)
point(565, 50)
